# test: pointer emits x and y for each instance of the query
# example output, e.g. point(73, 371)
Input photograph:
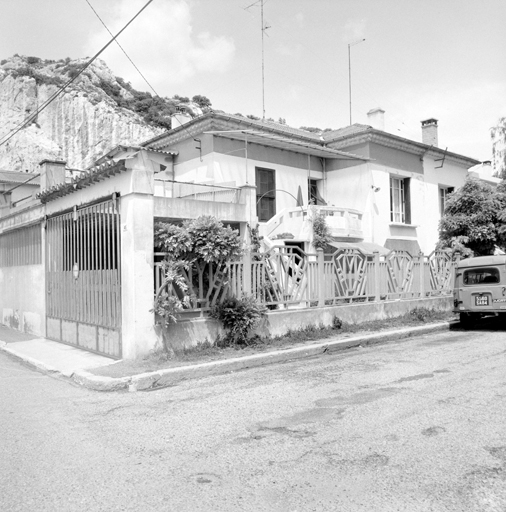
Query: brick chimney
point(376, 118)
point(429, 132)
point(52, 173)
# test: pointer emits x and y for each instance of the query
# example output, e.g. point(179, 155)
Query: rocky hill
point(97, 112)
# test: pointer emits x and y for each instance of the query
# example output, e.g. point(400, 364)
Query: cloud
point(299, 17)
point(354, 30)
point(161, 42)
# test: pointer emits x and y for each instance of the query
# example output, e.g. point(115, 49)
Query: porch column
point(137, 277)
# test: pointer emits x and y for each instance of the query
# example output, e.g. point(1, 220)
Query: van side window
point(481, 276)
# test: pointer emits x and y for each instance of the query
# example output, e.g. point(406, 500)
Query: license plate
point(481, 301)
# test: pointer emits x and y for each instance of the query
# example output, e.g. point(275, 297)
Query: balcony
point(342, 222)
point(197, 191)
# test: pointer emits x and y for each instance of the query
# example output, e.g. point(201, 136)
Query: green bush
point(238, 316)
point(321, 232)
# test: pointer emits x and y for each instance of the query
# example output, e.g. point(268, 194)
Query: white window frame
point(443, 193)
point(397, 200)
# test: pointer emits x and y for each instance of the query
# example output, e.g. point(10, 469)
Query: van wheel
point(467, 319)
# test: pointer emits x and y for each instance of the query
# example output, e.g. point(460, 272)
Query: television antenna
point(264, 27)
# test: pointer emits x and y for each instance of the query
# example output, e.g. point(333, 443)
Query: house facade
point(78, 263)
point(376, 190)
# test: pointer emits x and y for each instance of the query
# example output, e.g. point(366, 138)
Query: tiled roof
point(246, 122)
point(91, 176)
point(16, 177)
point(346, 131)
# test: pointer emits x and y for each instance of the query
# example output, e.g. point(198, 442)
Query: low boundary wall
point(188, 333)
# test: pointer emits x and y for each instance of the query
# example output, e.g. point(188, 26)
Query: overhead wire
point(31, 117)
point(122, 49)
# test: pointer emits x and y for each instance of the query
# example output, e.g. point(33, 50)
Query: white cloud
point(160, 42)
point(299, 17)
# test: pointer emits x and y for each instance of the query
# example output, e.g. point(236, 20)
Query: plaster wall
point(450, 175)
point(221, 168)
point(137, 275)
point(277, 323)
point(22, 298)
point(190, 208)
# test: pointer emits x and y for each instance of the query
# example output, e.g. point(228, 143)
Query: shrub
point(337, 323)
point(238, 316)
point(321, 232)
point(422, 314)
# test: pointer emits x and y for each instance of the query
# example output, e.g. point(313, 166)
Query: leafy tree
point(201, 240)
point(474, 220)
point(202, 101)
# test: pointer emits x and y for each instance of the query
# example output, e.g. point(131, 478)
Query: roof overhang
point(281, 142)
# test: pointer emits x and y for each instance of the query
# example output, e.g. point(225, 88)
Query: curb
point(29, 360)
point(172, 376)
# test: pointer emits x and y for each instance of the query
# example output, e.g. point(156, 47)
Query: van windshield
point(481, 276)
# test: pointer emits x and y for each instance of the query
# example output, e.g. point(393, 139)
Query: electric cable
point(122, 49)
point(32, 116)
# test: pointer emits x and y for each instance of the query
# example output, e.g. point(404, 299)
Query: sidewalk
point(57, 358)
point(46, 355)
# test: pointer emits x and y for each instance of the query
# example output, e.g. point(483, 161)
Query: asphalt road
point(417, 425)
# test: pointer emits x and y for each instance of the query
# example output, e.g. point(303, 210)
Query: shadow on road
point(485, 324)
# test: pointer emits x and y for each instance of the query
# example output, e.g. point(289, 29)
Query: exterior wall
point(450, 175)
point(291, 169)
point(366, 187)
point(22, 298)
point(22, 288)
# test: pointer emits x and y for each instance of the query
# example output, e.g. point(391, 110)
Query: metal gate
point(83, 286)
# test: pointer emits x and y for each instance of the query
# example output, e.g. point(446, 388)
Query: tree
point(202, 101)
point(204, 243)
point(474, 220)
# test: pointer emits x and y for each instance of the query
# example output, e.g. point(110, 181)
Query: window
point(313, 195)
point(266, 193)
point(400, 204)
point(481, 276)
point(443, 193)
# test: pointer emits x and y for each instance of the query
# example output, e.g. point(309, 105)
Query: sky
point(443, 59)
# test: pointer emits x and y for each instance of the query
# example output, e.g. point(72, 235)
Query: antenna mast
point(263, 74)
point(263, 28)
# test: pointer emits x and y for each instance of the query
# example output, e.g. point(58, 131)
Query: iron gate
point(83, 287)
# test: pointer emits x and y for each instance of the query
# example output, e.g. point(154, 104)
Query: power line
point(31, 117)
point(122, 49)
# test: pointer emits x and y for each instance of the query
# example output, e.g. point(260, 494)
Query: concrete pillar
point(137, 276)
point(137, 261)
point(321, 277)
point(249, 198)
point(377, 281)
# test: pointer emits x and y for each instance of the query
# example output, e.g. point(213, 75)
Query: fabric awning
point(399, 244)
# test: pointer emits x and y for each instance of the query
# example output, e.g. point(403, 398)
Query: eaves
point(409, 146)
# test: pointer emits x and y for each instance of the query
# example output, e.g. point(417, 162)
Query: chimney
point(429, 132)
point(52, 173)
point(376, 118)
point(180, 118)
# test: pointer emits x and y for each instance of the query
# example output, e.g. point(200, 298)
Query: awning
point(366, 247)
point(399, 244)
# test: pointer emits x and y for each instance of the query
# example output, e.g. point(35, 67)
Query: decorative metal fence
point(287, 277)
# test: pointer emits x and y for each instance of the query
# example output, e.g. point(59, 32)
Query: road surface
point(417, 425)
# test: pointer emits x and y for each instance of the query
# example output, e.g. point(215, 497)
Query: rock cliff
point(92, 116)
